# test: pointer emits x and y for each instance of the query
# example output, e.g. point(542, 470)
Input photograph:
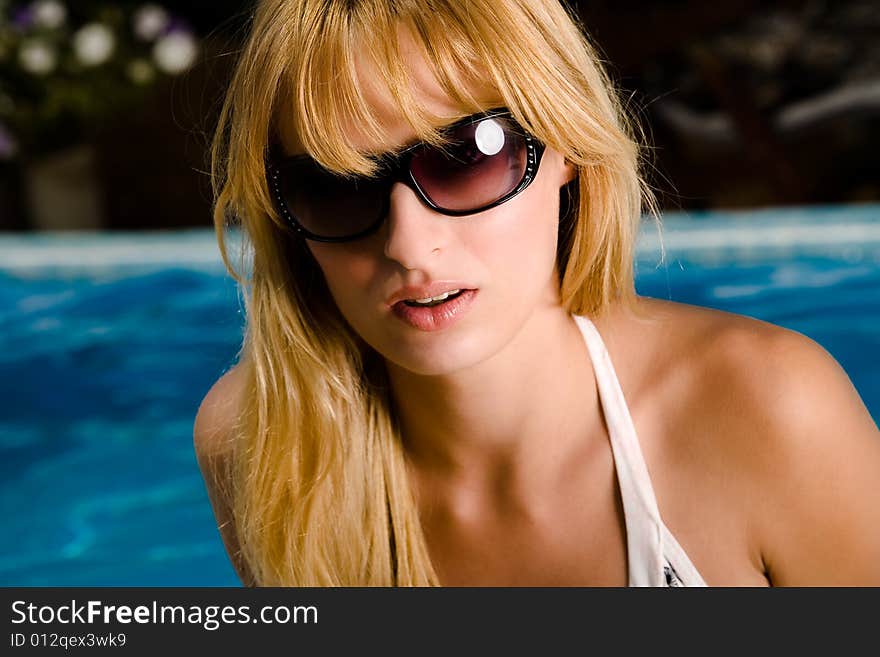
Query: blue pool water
point(110, 342)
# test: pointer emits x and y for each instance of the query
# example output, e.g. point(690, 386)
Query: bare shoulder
point(667, 350)
point(779, 373)
point(816, 458)
point(213, 440)
point(217, 413)
point(771, 414)
point(774, 376)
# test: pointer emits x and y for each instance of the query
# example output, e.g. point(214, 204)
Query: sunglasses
point(486, 159)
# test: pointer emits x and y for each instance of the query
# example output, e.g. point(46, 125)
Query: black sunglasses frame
point(398, 169)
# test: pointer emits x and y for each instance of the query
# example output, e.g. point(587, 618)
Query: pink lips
point(438, 317)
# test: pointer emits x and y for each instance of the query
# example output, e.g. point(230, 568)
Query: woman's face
point(507, 254)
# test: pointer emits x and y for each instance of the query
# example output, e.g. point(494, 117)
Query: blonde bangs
point(326, 98)
point(324, 92)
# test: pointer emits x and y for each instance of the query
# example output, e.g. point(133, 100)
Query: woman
point(447, 377)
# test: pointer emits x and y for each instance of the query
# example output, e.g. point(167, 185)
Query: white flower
point(149, 21)
point(175, 52)
point(50, 14)
point(141, 71)
point(37, 57)
point(94, 44)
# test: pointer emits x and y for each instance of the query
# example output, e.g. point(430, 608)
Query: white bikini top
point(655, 558)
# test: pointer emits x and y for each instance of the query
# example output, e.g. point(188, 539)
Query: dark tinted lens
point(483, 162)
point(327, 204)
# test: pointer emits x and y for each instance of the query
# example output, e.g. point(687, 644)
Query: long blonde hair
point(318, 478)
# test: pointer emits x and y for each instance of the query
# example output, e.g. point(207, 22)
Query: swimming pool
point(110, 342)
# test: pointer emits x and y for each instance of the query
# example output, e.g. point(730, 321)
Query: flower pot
point(62, 191)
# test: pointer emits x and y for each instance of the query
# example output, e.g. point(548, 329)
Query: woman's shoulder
point(716, 352)
point(770, 371)
point(769, 425)
point(667, 349)
point(213, 435)
point(734, 371)
point(218, 413)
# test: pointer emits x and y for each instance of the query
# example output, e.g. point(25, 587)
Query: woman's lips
point(426, 291)
point(435, 318)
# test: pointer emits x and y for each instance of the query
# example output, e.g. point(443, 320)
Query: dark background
point(746, 103)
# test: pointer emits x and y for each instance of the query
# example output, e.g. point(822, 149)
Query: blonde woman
point(447, 377)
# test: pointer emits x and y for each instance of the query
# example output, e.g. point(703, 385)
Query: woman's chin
point(442, 358)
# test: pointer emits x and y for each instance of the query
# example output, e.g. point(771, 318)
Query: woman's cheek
point(529, 243)
point(346, 270)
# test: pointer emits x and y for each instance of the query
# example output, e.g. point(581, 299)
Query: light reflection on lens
point(489, 137)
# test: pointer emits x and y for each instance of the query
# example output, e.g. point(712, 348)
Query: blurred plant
point(65, 69)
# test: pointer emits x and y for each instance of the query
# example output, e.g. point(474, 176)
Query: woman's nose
point(413, 232)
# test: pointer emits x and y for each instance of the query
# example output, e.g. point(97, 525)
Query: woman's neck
point(516, 416)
